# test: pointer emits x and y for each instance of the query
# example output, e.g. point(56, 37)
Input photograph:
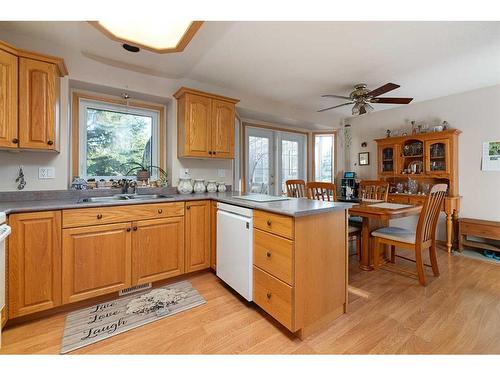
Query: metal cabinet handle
point(160, 211)
point(269, 295)
point(99, 216)
point(15, 140)
point(213, 152)
point(269, 222)
point(209, 152)
point(188, 207)
point(129, 229)
point(268, 254)
point(135, 229)
point(50, 143)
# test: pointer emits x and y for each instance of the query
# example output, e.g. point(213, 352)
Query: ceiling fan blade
point(335, 106)
point(335, 96)
point(383, 89)
point(391, 100)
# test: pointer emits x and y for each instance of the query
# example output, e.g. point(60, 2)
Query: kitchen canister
point(222, 187)
point(185, 186)
point(212, 186)
point(199, 186)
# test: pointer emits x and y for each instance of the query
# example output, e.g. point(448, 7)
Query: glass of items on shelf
point(411, 187)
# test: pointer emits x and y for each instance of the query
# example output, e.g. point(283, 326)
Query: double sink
point(124, 197)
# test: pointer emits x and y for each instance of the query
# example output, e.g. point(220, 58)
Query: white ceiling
point(293, 63)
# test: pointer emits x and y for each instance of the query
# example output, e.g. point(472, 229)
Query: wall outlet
point(221, 172)
point(46, 173)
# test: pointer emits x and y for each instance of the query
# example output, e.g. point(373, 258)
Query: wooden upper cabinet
point(29, 99)
point(437, 156)
point(197, 235)
point(157, 249)
point(222, 129)
point(34, 262)
point(96, 261)
point(38, 84)
point(389, 157)
point(205, 124)
point(8, 100)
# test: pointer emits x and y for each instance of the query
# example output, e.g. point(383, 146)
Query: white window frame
point(84, 104)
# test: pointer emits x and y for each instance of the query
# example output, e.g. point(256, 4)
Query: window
point(113, 137)
point(272, 157)
point(324, 157)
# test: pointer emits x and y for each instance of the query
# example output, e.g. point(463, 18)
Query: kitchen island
point(92, 250)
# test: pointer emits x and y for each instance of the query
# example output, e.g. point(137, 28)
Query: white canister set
point(187, 186)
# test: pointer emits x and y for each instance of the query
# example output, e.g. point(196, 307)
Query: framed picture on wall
point(364, 158)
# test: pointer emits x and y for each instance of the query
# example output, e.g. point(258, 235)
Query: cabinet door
point(157, 249)
point(34, 262)
point(437, 157)
point(388, 159)
point(96, 261)
point(197, 235)
point(8, 100)
point(213, 235)
point(37, 104)
point(222, 129)
point(198, 126)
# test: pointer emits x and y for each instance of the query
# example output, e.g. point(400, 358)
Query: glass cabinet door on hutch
point(388, 159)
point(437, 156)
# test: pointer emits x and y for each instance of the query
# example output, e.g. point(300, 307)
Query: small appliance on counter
point(4, 233)
point(349, 186)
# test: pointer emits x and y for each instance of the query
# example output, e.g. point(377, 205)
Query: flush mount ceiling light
point(160, 37)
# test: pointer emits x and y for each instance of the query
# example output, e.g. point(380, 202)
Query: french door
point(272, 157)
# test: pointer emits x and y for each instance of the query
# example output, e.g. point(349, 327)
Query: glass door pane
point(259, 161)
point(323, 158)
point(292, 161)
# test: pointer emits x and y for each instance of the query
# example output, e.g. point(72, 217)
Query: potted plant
point(143, 172)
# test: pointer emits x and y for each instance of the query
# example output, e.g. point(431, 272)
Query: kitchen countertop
point(45, 202)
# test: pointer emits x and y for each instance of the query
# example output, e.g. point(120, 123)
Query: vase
point(185, 186)
point(199, 186)
point(212, 186)
point(222, 187)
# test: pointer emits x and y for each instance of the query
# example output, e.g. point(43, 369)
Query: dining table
point(376, 215)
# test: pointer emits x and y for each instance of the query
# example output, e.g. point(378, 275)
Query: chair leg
point(433, 258)
point(376, 253)
point(358, 246)
point(393, 254)
point(420, 265)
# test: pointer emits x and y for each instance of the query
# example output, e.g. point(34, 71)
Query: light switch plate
point(221, 172)
point(45, 173)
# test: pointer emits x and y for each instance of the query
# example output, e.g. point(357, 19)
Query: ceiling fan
point(361, 97)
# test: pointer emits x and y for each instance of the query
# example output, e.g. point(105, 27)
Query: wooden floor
point(458, 312)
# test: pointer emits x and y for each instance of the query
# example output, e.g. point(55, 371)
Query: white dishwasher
point(235, 248)
point(4, 233)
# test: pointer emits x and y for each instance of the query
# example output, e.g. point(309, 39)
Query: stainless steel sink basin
point(124, 197)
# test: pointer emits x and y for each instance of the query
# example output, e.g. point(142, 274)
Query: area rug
point(99, 322)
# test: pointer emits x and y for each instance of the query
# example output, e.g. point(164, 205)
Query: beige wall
point(476, 113)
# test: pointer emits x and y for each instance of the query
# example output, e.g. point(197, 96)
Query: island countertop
point(17, 202)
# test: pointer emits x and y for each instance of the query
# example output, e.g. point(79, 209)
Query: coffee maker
point(349, 186)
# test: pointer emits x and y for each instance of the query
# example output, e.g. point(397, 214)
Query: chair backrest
point(295, 188)
point(427, 222)
point(374, 189)
point(323, 191)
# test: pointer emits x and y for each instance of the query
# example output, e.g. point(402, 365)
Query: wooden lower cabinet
point(157, 249)
point(34, 262)
point(197, 235)
point(213, 235)
point(96, 261)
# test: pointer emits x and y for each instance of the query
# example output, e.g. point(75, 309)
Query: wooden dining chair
point(323, 191)
point(295, 188)
point(423, 238)
point(374, 189)
point(326, 191)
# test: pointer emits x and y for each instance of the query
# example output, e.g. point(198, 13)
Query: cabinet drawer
point(118, 214)
point(273, 223)
point(273, 254)
point(398, 199)
point(274, 296)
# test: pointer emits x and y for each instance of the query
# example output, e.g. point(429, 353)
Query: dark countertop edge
point(53, 205)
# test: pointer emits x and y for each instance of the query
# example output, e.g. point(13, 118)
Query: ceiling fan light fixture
point(356, 108)
point(368, 107)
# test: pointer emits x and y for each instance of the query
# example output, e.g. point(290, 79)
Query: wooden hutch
point(413, 163)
